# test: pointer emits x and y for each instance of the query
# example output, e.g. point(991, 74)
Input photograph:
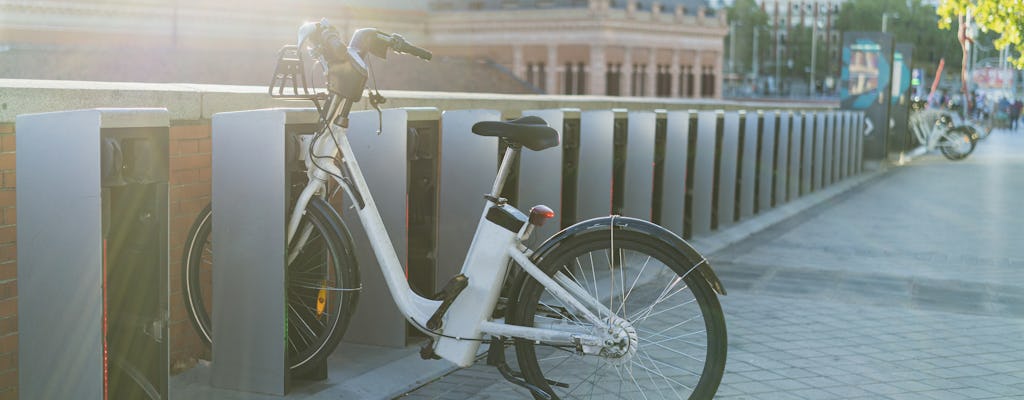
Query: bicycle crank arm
point(447, 296)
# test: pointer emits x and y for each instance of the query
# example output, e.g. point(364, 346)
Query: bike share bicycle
point(608, 307)
point(934, 129)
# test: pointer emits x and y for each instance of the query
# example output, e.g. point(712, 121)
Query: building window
point(536, 76)
point(688, 81)
point(664, 81)
point(707, 83)
point(568, 79)
point(612, 78)
point(581, 79)
point(639, 79)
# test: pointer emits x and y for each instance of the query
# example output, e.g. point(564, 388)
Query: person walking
point(1015, 110)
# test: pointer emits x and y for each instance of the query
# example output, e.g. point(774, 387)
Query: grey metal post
point(639, 165)
point(540, 175)
point(782, 160)
point(704, 172)
point(828, 150)
point(595, 165)
point(73, 232)
point(250, 202)
point(819, 149)
point(767, 167)
point(727, 169)
point(748, 174)
point(673, 203)
point(468, 166)
point(795, 151)
point(384, 162)
point(807, 159)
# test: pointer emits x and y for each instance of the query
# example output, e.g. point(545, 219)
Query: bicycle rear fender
point(639, 226)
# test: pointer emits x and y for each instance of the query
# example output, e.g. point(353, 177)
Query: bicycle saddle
point(532, 132)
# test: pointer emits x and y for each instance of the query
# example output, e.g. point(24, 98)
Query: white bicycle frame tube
point(458, 348)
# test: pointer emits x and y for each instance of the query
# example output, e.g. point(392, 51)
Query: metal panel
point(837, 135)
point(782, 157)
point(704, 172)
point(819, 150)
point(828, 149)
point(767, 168)
point(807, 159)
point(80, 238)
point(59, 217)
point(383, 159)
point(673, 203)
point(468, 166)
point(727, 169)
point(795, 151)
point(593, 194)
point(749, 164)
point(858, 145)
point(540, 174)
point(250, 209)
point(847, 146)
point(639, 180)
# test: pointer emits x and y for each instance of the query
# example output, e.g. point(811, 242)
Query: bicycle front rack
point(289, 74)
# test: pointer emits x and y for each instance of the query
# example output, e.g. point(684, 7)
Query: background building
point(628, 48)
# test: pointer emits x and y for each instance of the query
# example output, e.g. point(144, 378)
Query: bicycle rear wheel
point(956, 144)
point(679, 350)
point(321, 292)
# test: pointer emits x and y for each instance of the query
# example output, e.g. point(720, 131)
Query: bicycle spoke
point(633, 285)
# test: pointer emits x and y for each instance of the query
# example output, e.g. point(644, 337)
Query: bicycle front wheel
point(678, 340)
point(322, 283)
point(956, 144)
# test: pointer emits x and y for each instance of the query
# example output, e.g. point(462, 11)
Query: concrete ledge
point(192, 102)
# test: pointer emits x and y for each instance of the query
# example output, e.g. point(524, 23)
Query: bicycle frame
point(486, 264)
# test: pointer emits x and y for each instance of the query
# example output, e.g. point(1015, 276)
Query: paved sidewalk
point(908, 287)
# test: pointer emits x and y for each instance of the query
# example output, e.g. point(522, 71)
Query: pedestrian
point(1015, 110)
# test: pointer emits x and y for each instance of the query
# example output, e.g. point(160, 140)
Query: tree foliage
point(908, 21)
point(746, 17)
point(1003, 18)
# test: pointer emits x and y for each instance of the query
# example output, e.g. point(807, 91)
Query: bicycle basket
point(289, 80)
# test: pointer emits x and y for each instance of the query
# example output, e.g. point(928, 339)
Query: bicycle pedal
point(427, 351)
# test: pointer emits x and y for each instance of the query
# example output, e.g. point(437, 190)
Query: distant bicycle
point(944, 131)
point(611, 307)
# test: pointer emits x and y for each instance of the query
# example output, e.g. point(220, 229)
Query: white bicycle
point(608, 307)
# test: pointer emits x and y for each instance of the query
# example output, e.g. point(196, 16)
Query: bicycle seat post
point(506, 168)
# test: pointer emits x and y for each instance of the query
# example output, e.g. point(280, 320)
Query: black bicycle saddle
point(531, 131)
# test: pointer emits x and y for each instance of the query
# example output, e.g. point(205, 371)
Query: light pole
point(885, 19)
point(754, 66)
point(732, 46)
point(814, 54)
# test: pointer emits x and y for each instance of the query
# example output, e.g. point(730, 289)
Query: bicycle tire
point(643, 374)
point(340, 293)
point(957, 144)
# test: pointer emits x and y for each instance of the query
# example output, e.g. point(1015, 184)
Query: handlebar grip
point(402, 46)
point(333, 45)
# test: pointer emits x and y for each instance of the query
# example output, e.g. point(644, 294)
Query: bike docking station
point(256, 157)
point(92, 241)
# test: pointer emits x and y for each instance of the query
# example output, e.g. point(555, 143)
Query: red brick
point(10, 179)
point(8, 325)
point(184, 176)
point(7, 161)
point(7, 143)
point(8, 271)
point(8, 234)
point(6, 128)
point(12, 394)
point(187, 161)
point(10, 216)
point(9, 308)
point(9, 379)
point(9, 343)
point(9, 361)
point(184, 192)
point(205, 146)
point(8, 290)
point(8, 253)
point(190, 132)
point(188, 146)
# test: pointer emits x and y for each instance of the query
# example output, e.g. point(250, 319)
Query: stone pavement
point(908, 287)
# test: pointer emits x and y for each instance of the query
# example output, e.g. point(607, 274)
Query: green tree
point(746, 17)
point(1004, 19)
point(908, 21)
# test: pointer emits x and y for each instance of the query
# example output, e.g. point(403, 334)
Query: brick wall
point(8, 269)
point(189, 193)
